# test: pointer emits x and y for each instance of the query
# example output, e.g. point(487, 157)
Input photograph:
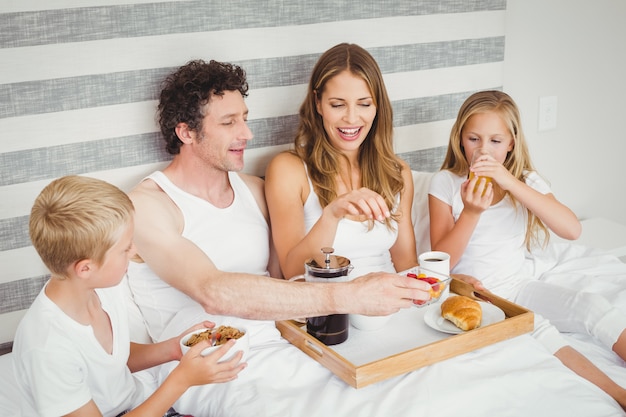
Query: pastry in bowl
point(217, 336)
point(462, 311)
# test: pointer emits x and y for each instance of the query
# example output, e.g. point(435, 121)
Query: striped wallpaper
point(79, 81)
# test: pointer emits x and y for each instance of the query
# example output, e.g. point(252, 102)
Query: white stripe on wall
point(21, 263)
point(422, 136)
point(76, 126)
point(15, 6)
point(23, 195)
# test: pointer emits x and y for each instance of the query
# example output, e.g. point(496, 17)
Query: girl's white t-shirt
point(496, 251)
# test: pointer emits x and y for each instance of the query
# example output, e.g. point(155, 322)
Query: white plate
point(432, 317)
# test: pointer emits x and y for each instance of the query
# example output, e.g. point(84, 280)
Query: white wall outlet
point(547, 113)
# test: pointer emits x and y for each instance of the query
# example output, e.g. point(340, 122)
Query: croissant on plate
point(462, 311)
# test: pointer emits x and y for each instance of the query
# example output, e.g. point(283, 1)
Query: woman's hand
point(359, 203)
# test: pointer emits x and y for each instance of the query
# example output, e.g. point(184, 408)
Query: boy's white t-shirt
point(60, 365)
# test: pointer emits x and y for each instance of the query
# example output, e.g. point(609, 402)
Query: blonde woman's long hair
point(380, 167)
point(517, 161)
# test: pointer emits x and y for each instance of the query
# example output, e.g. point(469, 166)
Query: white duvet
point(516, 377)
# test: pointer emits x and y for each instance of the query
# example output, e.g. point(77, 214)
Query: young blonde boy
point(73, 355)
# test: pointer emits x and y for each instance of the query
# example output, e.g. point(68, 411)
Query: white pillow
point(419, 212)
point(9, 394)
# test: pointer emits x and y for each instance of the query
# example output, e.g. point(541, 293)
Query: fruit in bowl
point(437, 286)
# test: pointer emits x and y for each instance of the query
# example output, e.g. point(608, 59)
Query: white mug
point(435, 261)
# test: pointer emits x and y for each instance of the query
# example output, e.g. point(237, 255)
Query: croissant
point(462, 311)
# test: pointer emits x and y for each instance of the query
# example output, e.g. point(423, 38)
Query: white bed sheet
point(516, 377)
point(512, 378)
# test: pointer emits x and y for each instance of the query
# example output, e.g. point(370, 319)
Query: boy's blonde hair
point(76, 218)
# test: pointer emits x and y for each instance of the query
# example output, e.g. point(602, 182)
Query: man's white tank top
point(235, 238)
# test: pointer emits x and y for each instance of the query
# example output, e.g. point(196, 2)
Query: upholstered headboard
point(78, 87)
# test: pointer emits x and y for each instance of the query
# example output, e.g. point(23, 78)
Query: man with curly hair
point(202, 232)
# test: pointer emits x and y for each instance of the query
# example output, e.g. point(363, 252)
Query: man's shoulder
point(252, 181)
point(146, 190)
point(152, 204)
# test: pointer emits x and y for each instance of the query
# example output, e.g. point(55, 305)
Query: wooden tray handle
point(462, 288)
point(312, 349)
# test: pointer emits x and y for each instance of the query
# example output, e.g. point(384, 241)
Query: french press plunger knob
point(327, 252)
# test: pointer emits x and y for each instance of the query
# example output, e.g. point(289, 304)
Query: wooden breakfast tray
point(406, 343)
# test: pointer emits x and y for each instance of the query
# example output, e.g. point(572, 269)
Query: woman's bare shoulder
point(285, 160)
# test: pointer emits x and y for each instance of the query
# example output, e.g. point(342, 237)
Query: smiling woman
point(343, 186)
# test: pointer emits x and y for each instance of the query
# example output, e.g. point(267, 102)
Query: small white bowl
point(243, 344)
point(368, 323)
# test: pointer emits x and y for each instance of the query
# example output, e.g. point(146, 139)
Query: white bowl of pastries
point(218, 336)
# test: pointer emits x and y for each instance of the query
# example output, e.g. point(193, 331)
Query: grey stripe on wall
point(127, 21)
point(427, 160)
point(79, 158)
point(19, 295)
point(14, 233)
point(47, 96)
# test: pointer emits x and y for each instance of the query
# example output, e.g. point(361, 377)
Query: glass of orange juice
point(475, 156)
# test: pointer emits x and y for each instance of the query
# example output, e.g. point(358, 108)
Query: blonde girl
point(490, 222)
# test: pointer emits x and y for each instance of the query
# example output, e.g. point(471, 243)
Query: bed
point(516, 377)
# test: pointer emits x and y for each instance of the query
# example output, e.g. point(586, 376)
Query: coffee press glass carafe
point(333, 328)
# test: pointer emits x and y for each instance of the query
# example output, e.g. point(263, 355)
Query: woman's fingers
point(364, 202)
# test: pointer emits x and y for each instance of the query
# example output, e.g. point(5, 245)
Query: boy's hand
point(200, 370)
point(174, 342)
point(204, 325)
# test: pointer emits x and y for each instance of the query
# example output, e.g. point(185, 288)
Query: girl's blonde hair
point(76, 218)
point(517, 160)
point(380, 167)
